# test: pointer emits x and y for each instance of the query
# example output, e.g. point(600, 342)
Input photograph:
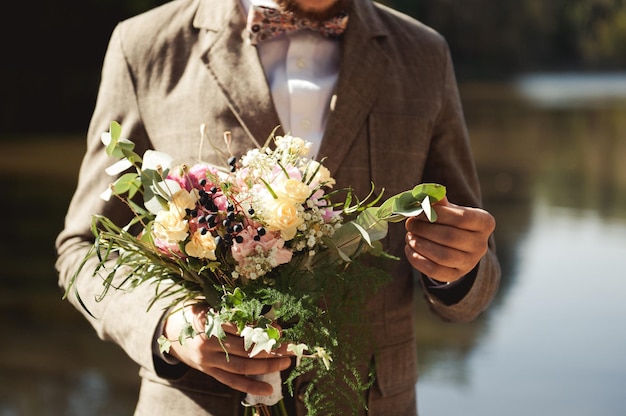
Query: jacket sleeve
point(122, 316)
point(450, 162)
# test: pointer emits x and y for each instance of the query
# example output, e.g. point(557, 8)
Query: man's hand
point(207, 355)
point(449, 248)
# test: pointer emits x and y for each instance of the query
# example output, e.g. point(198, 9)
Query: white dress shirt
point(301, 70)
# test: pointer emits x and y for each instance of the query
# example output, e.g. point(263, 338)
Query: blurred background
point(544, 90)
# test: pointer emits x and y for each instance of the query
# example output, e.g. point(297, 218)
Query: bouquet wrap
point(275, 380)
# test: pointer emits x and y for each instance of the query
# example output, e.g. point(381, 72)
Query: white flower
point(325, 356)
point(298, 350)
point(292, 147)
point(155, 160)
point(259, 337)
point(118, 167)
point(170, 227)
point(163, 189)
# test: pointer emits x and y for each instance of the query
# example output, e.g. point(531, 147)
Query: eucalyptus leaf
point(118, 147)
point(427, 208)
point(347, 240)
point(412, 203)
point(128, 183)
point(407, 205)
point(118, 167)
point(434, 191)
point(376, 228)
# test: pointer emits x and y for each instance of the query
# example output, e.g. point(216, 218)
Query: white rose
point(169, 226)
point(182, 200)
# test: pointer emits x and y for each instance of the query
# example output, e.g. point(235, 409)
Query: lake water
point(553, 342)
point(550, 155)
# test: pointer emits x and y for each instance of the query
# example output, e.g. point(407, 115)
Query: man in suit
point(379, 102)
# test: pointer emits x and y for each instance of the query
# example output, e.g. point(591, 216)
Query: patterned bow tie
point(265, 23)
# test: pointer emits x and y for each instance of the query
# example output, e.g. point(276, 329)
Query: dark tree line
point(52, 51)
point(505, 37)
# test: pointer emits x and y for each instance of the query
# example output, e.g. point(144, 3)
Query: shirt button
point(305, 124)
point(301, 63)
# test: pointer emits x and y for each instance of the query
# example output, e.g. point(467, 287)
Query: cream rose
point(169, 226)
point(182, 200)
point(323, 174)
point(201, 246)
point(295, 190)
point(283, 215)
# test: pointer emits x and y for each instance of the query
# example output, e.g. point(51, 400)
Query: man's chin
point(293, 6)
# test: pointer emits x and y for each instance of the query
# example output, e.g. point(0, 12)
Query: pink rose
point(168, 248)
point(191, 179)
point(268, 243)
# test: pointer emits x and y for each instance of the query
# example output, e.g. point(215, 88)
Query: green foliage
point(371, 225)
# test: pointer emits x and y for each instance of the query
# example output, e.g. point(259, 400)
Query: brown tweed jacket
point(396, 121)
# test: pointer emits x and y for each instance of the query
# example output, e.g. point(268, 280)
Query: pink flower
point(168, 248)
point(193, 175)
point(269, 244)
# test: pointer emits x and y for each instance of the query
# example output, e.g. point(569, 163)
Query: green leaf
point(118, 147)
point(347, 240)
point(164, 344)
point(128, 183)
point(375, 226)
point(187, 332)
point(235, 298)
point(273, 333)
point(434, 191)
point(411, 203)
point(213, 326)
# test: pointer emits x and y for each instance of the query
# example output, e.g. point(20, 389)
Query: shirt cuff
point(450, 293)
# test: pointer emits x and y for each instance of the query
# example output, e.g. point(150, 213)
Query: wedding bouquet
point(263, 243)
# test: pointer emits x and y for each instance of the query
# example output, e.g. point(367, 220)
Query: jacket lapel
point(363, 65)
point(235, 65)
